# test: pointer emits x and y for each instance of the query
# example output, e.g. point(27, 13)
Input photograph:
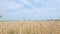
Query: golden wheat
point(30, 27)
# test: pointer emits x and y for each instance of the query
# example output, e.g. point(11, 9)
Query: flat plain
point(30, 27)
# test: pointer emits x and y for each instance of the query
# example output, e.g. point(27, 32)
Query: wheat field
point(30, 27)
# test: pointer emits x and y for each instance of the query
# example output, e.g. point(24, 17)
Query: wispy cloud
point(4, 4)
point(35, 9)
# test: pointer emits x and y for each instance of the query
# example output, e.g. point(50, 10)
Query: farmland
point(30, 27)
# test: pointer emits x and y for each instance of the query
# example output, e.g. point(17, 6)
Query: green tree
point(0, 17)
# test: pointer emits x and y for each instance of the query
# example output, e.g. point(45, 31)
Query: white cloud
point(9, 5)
point(29, 3)
point(49, 7)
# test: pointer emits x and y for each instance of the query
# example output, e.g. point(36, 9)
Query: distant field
point(30, 27)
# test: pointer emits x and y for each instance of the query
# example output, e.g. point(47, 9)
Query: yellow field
point(30, 27)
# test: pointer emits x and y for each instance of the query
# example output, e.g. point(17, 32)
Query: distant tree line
point(0, 16)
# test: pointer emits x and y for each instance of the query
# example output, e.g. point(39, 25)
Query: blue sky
point(29, 9)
